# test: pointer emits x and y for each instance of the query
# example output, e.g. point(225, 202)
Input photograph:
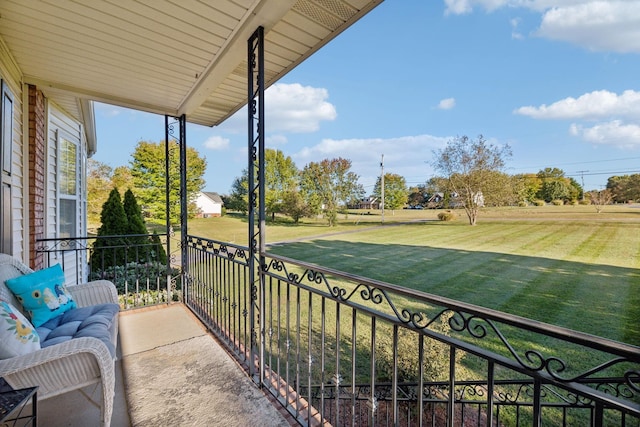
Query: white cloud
point(409, 156)
point(296, 108)
point(515, 34)
point(598, 25)
point(447, 104)
point(594, 105)
point(597, 106)
point(467, 6)
point(274, 140)
point(458, 7)
point(216, 143)
point(613, 133)
point(291, 108)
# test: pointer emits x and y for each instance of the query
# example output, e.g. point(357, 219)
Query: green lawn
point(564, 265)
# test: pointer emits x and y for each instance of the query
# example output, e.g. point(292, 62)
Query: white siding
point(11, 76)
point(208, 206)
point(60, 124)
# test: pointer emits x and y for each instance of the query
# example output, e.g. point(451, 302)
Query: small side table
point(13, 402)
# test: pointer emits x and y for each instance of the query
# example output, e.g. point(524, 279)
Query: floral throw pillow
point(17, 335)
point(42, 294)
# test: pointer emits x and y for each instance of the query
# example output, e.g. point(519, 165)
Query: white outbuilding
point(209, 204)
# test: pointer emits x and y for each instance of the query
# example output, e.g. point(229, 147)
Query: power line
point(579, 163)
point(610, 172)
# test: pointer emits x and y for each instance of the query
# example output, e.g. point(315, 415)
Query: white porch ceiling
point(164, 56)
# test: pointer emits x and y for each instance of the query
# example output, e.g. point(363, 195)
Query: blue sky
point(557, 80)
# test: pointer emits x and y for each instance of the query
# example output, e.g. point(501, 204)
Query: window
point(67, 187)
point(6, 149)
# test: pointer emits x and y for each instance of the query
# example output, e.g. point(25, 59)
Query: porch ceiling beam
point(98, 96)
point(263, 13)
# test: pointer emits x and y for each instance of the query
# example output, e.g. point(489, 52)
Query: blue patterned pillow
point(42, 294)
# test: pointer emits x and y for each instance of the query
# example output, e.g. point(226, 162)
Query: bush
point(585, 202)
point(446, 216)
point(539, 202)
point(557, 202)
point(143, 298)
point(127, 276)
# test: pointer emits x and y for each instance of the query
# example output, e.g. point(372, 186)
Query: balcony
point(328, 347)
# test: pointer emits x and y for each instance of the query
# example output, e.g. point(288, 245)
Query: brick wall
point(37, 179)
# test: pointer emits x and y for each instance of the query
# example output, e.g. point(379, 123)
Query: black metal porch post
point(255, 107)
point(167, 190)
point(181, 139)
point(184, 206)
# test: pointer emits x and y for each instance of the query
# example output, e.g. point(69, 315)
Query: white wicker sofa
point(71, 364)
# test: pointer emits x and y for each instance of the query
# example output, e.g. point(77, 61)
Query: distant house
point(209, 204)
point(455, 201)
point(435, 201)
point(370, 202)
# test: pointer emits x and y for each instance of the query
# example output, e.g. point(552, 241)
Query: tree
point(135, 225)
point(121, 177)
point(395, 191)
point(149, 177)
point(503, 191)
point(114, 223)
point(148, 248)
point(554, 189)
point(600, 199)
point(526, 187)
point(294, 205)
point(417, 195)
point(576, 191)
point(99, 177)
point(328, 185)
point(555, 186)
point(238, 199)
point(624, 188)
point(470, 167)
point(280, 177)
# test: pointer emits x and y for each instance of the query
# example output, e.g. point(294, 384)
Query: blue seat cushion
point(93, 321)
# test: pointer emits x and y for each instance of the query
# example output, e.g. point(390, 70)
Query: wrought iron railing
point(137, 264)
point(353, 351)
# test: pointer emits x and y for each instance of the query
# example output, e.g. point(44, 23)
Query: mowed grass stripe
point(617, 246)
point(578, 274)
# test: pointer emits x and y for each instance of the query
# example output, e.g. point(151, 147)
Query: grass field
point(565, 265)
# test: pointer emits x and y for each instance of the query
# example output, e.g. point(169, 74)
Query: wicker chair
point(70, 365)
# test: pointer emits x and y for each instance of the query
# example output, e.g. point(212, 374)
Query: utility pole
point(382, 186)
point(582, 178)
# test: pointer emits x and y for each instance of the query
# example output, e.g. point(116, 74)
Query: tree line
point(470, 174)
point(325, 187)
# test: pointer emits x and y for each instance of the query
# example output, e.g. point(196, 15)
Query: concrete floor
point(161, 348)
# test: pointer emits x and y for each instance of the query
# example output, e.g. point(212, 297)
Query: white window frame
point(63, 194)
point(7, 106)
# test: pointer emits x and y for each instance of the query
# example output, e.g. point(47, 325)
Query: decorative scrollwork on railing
point(633, 380)
point(511, 396)
point(533, 360)
point(624, 390)
point(473, 326)
point(470, 391)
point(314, 276)
point(63, 245)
